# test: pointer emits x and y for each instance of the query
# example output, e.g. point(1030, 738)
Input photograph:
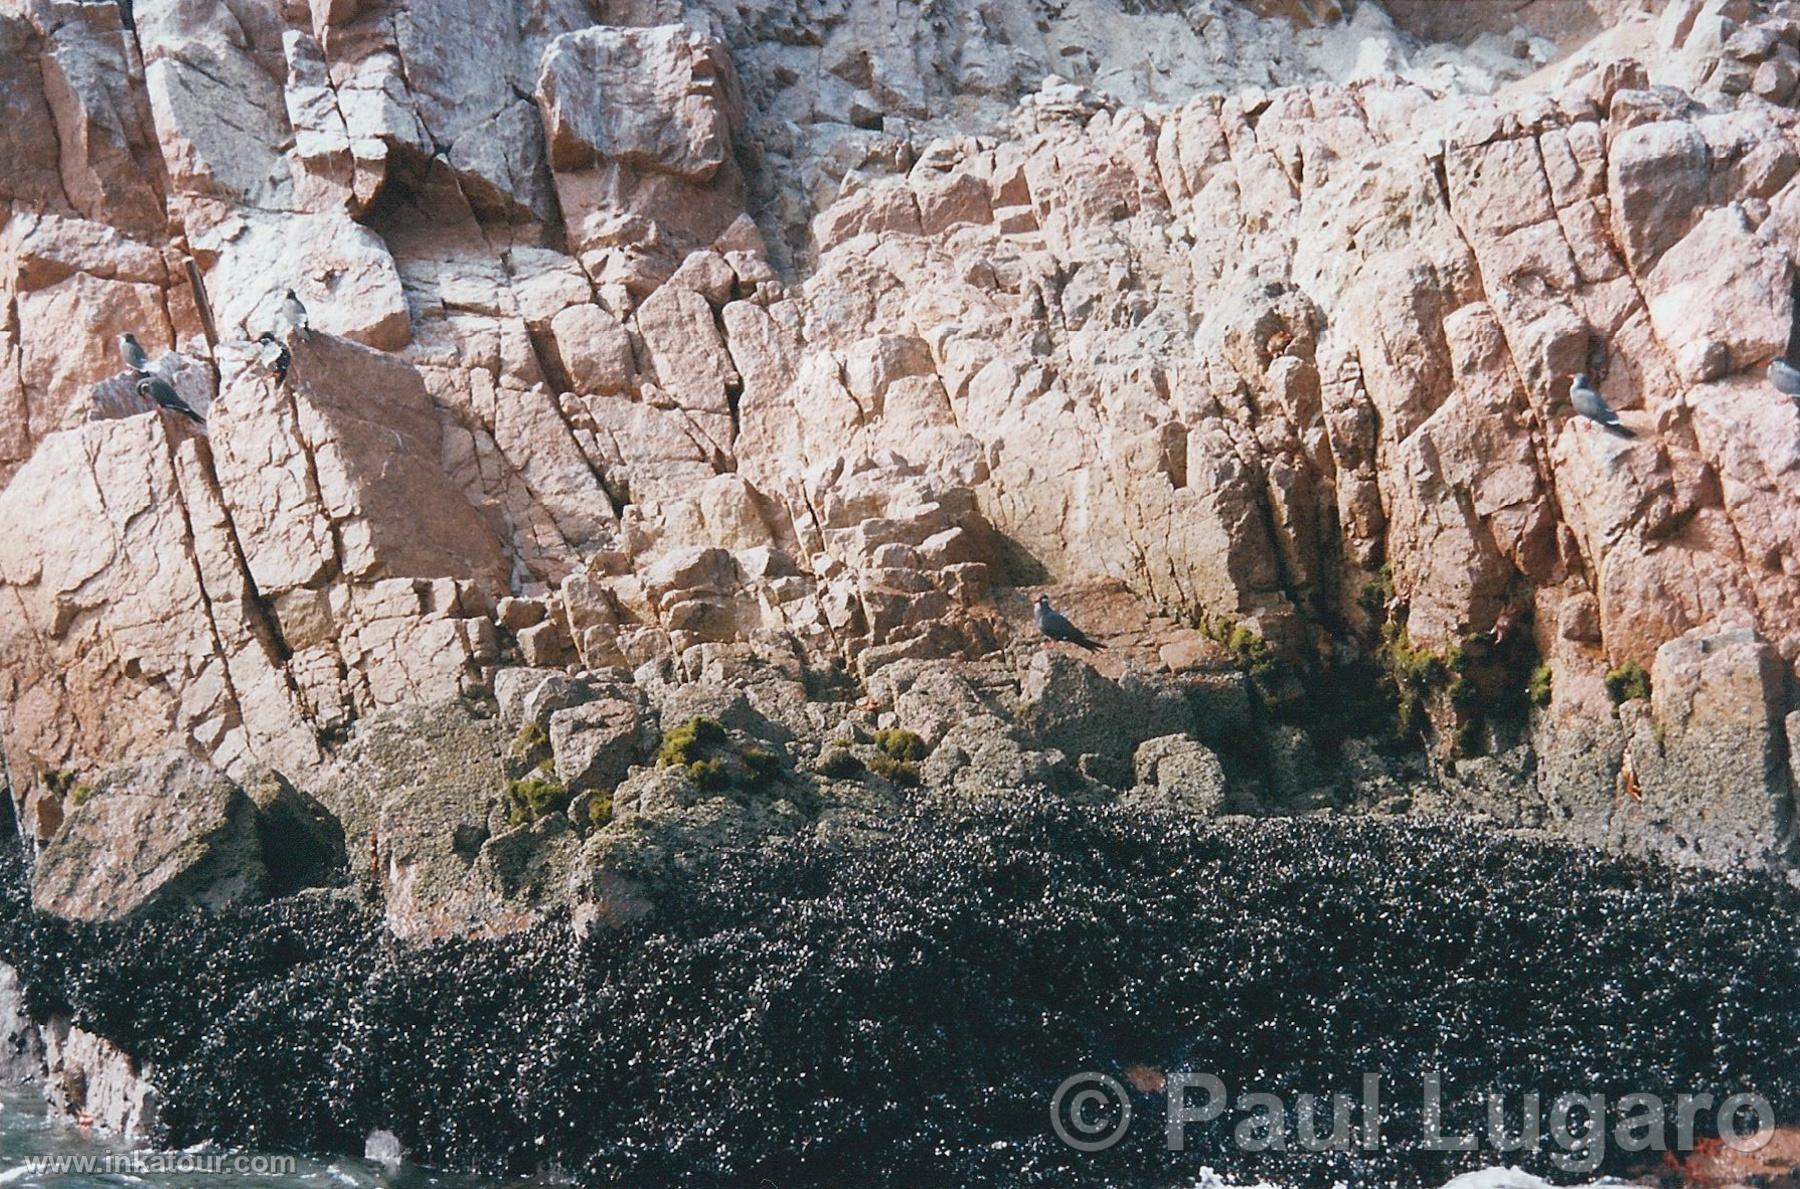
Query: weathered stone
point(1656, 178)
point(410, 789)
point(983, 757)
point(660, 108)
point(595, 350)
point(1069, 705)
point(594, 743)
point(686, 353)
point(1177, 772)
point(930, 698)
point(1775, 80)
point(164, 833)
point(91, 1081)
point(532, 866)
point(513, 686)
point(640, 120)
point(557, 691)
point(1710, 762)
point(1721, 284)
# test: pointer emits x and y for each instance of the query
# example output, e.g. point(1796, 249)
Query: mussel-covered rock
point(898, 1003)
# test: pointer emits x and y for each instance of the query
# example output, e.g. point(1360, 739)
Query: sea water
point(39, 1150)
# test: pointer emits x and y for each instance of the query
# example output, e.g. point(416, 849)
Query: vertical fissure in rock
point(550, 364)
point(338, 553)
point(220, 655)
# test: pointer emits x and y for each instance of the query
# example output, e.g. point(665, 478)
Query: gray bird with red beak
point(1784, 377)
point(1591, 405)
point(1052, 623)
point(163, 393)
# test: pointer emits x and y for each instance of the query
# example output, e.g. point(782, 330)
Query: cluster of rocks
point(701, 392)
point(572, 789)
point(1735, 47)
point(615, 384)
point(569, 790)
point(883, 564)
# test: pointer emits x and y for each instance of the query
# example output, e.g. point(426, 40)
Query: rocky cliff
point(696, 396)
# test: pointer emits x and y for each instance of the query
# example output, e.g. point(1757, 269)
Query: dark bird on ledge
point(1784, 376)
point(273, 355)
point(1590, 404)
point(163, 393)
point(132, 352)
point(295, 313)
point(1056, 627)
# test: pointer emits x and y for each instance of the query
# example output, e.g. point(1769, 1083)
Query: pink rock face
point(344, 452)
point(105, 153)
point(129, 602)
point(27, 126)
point(639, 122)
point(653, 100)
point(649, 338)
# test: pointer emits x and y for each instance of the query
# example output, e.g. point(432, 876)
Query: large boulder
point(648, 99)
point(515, 684)
point(420, 792)
point(983, 757)
point(639, 123)
point(1697, 772)
point(1177, 772)
point(1656, 177)
point(594, 743)
point(1071, 706)
point(1712, 784)
point(931, 697)
point(620, 868)
point(168, 832)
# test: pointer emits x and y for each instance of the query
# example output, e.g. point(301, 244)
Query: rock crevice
point(698, 340)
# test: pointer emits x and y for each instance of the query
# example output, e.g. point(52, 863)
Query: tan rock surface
point(663, 337)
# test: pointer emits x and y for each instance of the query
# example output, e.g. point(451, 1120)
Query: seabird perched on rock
point(1590, 404)
point(1056, 627)
point(1784, 377)
point(273, 355)
point(132, 352)
point(163, 393)
point(295, 313)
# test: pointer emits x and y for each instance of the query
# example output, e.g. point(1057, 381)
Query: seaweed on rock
point(886, 1008)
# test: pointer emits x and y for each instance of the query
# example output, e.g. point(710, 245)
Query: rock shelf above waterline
point(897, 1005)
point(662, 334)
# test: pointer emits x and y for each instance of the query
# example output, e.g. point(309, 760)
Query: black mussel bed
point(901, 1007)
